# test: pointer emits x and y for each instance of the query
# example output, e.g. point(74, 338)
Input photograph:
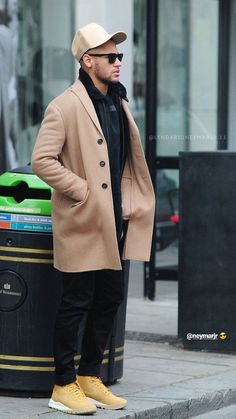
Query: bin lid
point(23, 192)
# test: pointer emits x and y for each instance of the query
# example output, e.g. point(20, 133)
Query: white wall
point(114, 16)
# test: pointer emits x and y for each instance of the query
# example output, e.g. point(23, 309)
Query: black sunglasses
point(111, 56)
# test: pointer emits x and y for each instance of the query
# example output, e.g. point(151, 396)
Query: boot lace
point(98, 382)
point(75, 390)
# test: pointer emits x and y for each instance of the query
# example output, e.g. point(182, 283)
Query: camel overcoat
point(69, 149)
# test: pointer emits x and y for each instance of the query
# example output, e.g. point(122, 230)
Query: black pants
point(98, 295)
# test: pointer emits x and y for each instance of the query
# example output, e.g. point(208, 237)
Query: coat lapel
point(80, 91)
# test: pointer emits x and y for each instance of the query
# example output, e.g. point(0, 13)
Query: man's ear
point(87, 60)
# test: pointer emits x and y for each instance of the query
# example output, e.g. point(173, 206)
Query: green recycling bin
point(29, 285)
point(30, 291)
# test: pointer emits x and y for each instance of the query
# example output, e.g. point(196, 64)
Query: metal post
point(151, 111)
point(223, 73)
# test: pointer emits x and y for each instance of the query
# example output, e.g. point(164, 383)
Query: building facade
point(35, 46)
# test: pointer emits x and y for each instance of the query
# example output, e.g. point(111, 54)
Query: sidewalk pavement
point(161, 379)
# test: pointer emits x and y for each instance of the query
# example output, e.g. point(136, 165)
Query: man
point(89, 150)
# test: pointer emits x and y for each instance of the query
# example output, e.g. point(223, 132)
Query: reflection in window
point(45, 64)
point(187, 75)
point(167, 219)
point(8, 88)
point(167, 192)
point(172, 118)
point(29, 72)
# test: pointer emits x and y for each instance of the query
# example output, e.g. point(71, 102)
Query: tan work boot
point(99, 394)
point(71, 399)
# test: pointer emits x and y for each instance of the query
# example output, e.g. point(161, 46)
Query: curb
point(185, 408)
point(152, 337)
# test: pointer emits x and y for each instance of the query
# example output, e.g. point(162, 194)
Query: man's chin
point(115, 80)
point(110, 81)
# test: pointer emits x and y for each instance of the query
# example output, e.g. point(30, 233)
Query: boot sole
point(65, 409)
point(107, 406)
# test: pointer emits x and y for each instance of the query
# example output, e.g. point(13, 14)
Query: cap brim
point(118, 37)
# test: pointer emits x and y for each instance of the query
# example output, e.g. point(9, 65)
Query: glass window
point(139, 64)
point(167, 183)
point(187, 102)
point(8, 86)
point(45, 65)
point(187, 75)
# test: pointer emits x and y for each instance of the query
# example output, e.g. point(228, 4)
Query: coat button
point(104, 186)
point(102, 163)
point(100, 141)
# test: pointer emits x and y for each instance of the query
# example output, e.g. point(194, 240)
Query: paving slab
point(152, 316)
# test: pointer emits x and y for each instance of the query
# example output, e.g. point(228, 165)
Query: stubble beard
point(104, 80)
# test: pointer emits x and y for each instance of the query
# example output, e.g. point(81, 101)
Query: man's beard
point(107, 81)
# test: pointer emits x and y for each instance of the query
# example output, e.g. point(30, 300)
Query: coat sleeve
point(46, 157)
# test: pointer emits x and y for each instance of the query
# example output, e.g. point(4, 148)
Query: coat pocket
point(126, 186)
point(80, 203)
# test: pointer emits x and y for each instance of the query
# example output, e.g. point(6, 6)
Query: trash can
point(30, 291)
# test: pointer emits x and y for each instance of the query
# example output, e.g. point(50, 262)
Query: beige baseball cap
point(92, 36)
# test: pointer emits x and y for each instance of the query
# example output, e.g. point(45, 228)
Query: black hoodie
point(115, 129)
